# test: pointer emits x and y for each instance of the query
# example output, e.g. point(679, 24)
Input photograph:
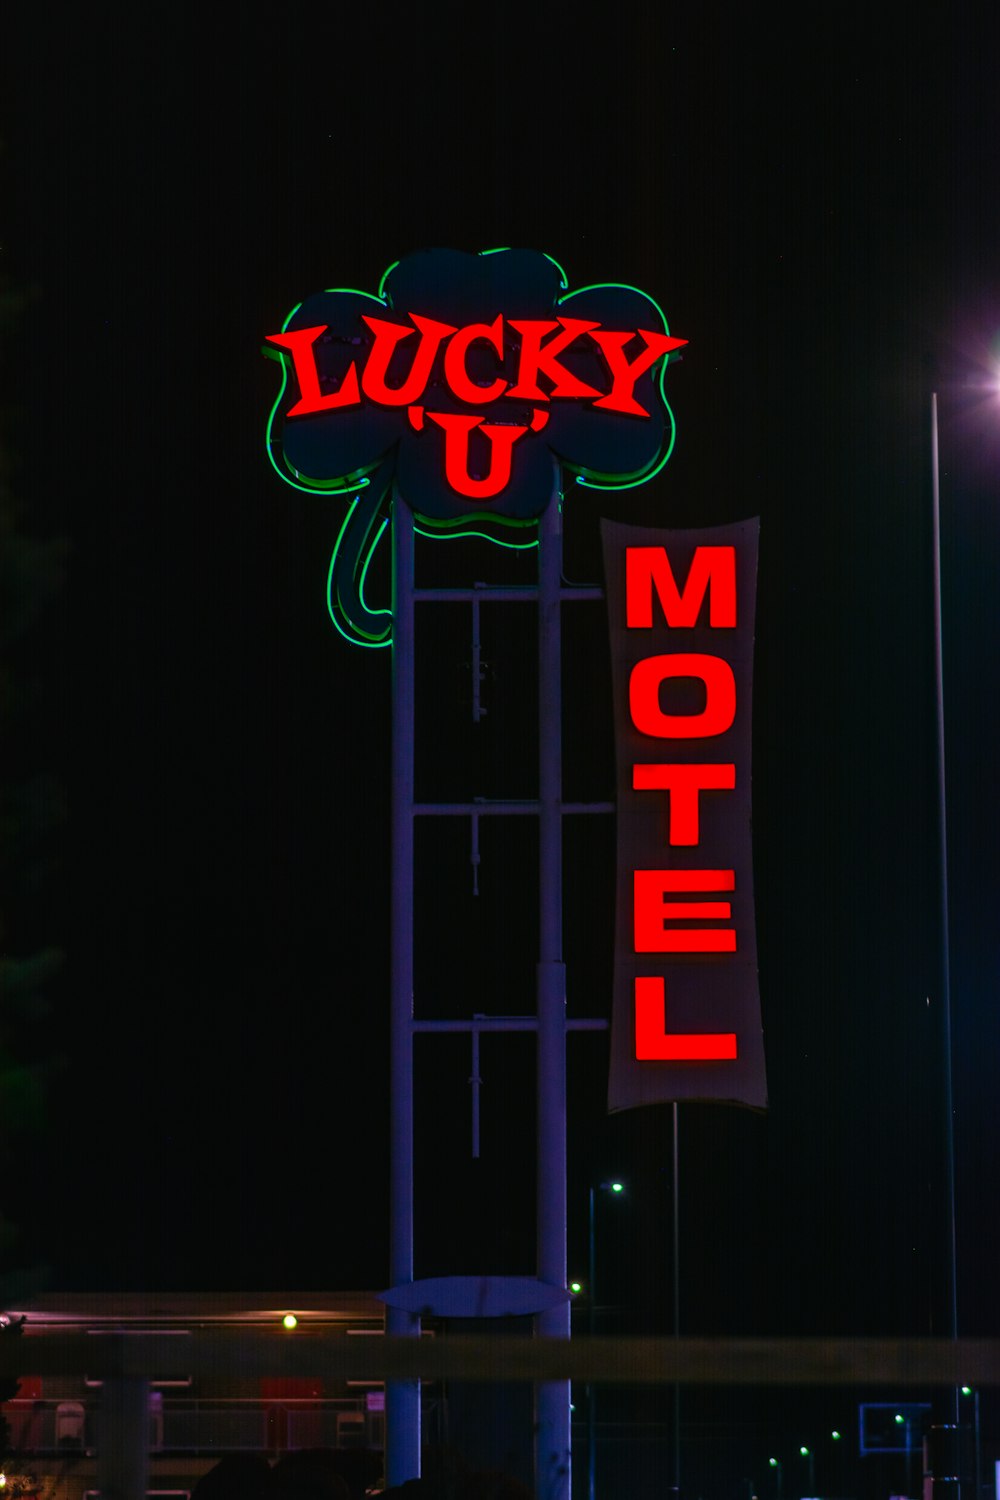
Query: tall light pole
point(967, 1390)
point(615, 1188)
point(907, 1421)
point(949, 1121)
point(676, 1231)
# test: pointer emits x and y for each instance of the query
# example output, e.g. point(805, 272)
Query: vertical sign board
point(686, 1007)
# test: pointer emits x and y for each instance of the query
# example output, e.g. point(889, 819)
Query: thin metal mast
point(402, 1397)
point(949, 1104)
point(552, 1400)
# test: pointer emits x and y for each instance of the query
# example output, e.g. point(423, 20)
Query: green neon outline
point(596, 482)
point(457, 528)
point(502, 249)
point(452, 536)
point(357, 638)
point(364, 571)
point(591, 479)
point(443, 524)
point(314, 486)
point(363, 635)
point(385, 277)
point(385, 639)
point(563, 278)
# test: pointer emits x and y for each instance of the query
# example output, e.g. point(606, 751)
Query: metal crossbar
point(612, 1361)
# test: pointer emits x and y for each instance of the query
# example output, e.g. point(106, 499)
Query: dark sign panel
point(467, 376)
point(686, 1008)
point(473, 387)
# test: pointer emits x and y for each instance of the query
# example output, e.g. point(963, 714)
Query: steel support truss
point(550, 1023)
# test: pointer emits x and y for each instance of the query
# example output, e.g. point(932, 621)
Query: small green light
point(773, 1462)
point(618, 1187)
point(835, 1435)
point(804, 1452)
point(967, 1390)
point(900, 1418)
point(576, 1287)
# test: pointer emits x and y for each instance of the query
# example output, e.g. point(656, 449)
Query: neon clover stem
point(352, 556)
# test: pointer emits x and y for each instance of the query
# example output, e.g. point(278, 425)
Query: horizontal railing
point(191, 1426)
point(632, 1361)
point(128, 1363)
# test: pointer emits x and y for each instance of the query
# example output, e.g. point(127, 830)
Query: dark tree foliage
point(10, 1328)
point(32, 819)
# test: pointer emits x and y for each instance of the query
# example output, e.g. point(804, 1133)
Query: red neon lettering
point(650, 912)
point(387, 337)
point(653, 1043)
point(625, 375)
point(644, 686)
point(456, 453)
point(300, 345)
point(537, 357)
point(455, 371)
point(712, 571)
point(683, 783)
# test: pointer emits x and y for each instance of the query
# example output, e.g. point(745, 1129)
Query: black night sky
point(815, 208)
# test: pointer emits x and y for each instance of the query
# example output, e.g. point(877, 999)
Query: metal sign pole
point(123, 1439)
point(552, 1400)
point(402, 1397)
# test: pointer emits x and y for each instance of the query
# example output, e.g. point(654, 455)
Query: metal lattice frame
point(552, 1413)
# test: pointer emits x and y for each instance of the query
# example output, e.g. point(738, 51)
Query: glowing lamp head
point(289, 1321)
point(804, 1451)
point(576, 1287)
point(773, 1462)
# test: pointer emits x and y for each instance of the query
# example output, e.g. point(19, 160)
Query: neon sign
point(468, 385)
point(686, 1010)
point(538, 346)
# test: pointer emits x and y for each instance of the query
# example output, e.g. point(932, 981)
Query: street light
point(992, 386)
point(778, 1467)
point(952, 1279)
point(616, 1189)
point(907, 1421)
point(967, 1390)
point(810, 1455)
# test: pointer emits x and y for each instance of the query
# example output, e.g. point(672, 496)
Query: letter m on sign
point(712, 572)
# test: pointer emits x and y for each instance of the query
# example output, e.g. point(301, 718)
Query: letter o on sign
point(649, 675)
